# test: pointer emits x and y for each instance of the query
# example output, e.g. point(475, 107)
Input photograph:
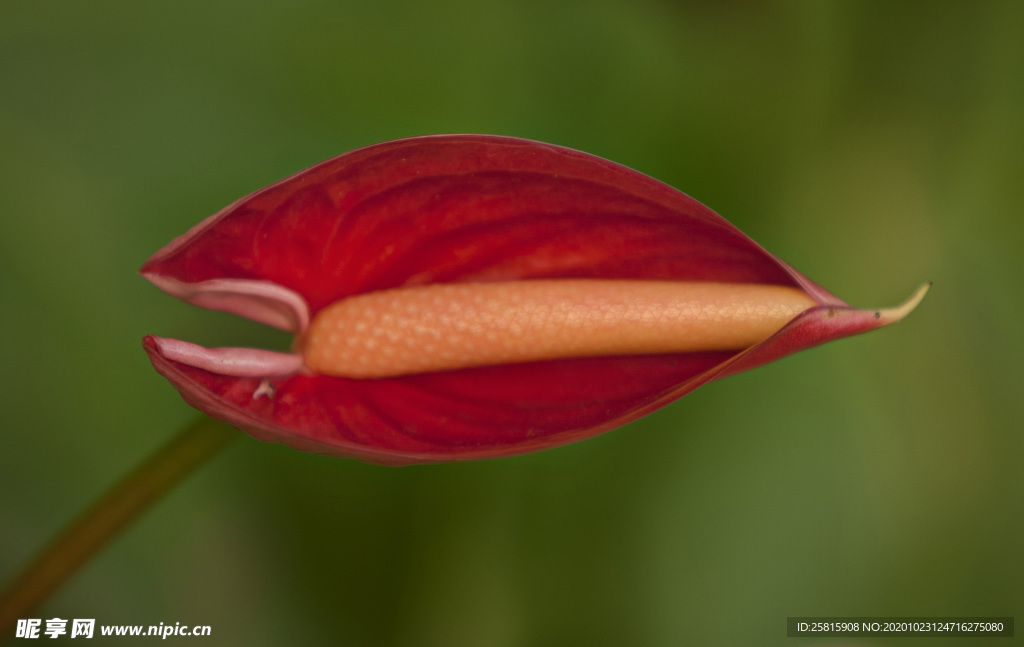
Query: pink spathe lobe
point(457, 208)
point(237, 362)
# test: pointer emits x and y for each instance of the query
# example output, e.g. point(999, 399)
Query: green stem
point(108, 516)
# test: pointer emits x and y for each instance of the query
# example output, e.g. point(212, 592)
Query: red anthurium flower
point(459, 297)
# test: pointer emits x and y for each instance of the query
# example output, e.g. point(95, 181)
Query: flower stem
point(108, 516)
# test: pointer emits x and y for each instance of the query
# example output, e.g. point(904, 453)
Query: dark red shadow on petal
point(456, 415)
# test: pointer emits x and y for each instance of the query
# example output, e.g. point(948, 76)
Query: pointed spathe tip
point(892, 315)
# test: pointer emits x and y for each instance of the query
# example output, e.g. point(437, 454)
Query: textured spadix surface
point(448, 326)
point(456, 209)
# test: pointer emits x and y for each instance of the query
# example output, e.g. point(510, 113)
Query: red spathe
point(463, 208)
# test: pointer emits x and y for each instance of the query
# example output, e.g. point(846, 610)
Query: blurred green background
point(873, 145)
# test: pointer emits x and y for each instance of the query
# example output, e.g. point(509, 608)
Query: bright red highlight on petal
point(453, 209)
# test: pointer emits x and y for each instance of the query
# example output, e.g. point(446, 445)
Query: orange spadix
point(448, 326)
